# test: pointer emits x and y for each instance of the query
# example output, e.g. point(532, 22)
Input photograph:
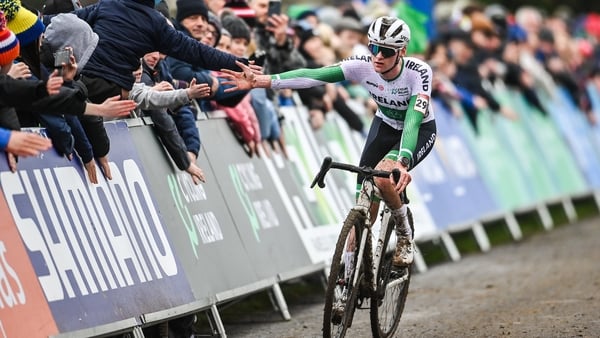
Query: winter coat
point(129, 29)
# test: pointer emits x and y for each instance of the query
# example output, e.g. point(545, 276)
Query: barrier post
point(279, 302)
point(216, 319)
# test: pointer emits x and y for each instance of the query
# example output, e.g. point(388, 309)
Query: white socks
point(402, 225)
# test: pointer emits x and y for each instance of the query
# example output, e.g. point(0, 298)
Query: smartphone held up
point(274, 8)
point(62, 56)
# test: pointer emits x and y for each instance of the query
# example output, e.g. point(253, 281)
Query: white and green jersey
point(403, 102)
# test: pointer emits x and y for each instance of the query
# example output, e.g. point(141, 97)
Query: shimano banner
point(100, 251)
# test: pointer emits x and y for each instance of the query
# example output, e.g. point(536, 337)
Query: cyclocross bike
point(370, 281)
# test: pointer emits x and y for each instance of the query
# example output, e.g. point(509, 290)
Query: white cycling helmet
point(389, 31)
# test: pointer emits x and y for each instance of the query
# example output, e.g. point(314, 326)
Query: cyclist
point(403, 130)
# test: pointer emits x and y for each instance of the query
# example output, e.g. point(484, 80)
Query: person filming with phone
point(272, 40)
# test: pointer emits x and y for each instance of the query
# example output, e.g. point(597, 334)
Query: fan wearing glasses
point(403, 130)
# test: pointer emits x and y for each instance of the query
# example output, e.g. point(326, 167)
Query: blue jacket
point(4, 137)
point(129, 29)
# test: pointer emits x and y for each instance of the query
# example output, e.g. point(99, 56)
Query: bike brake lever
point(320, 178)
point(396, 175)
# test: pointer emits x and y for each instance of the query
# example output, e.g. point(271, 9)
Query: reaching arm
point(252, 77)
point(23, 143)
point(16, 92)
point(150, 98)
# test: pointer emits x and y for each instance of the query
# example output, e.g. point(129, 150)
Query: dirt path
point(544, 286)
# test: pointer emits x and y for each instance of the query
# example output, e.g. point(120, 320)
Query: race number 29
point(422, 103)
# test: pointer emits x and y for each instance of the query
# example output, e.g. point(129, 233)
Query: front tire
point(341, 295)
point(387, 303)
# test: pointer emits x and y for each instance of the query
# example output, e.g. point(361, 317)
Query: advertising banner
point(325, 208)
point(594, 93)
point(100, 251)
point(24, 311)
point(576, 131)
point(548, 143)
point(200, 224)
point(340, 143)
point(527, 155)
point(495, 163)
point(305, 152)
point(449, 179)
point(269, 237)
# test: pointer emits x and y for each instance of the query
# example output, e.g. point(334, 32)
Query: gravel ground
point(544, 286)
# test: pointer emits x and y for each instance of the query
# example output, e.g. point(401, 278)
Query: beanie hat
point(236, 26)
point(9, 44)
point(187, 8)
point(241, 9)
point(215, 22)
point(24, 23)
point(68, 30)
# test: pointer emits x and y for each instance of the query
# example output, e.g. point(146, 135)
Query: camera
point(62, 56)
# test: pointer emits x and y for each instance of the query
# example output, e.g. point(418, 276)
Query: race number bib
point(422, 103)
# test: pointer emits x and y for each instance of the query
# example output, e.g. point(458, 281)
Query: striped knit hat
point(9, 45)
point(24, 23)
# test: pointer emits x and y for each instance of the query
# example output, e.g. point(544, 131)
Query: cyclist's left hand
point(405, 178)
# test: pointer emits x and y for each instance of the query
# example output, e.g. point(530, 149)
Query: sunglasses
point(385, 51)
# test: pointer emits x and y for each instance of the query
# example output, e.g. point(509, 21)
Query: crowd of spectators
point(478, 48)
point(474, 49)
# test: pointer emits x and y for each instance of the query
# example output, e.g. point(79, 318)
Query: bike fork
point(379, 248)
point(359, 259)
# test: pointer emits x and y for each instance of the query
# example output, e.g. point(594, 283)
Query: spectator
point(27, 28)
point(212, 33)
point(215, 6)
point(564, 76)
point(15, 142)
point(272, 40)
point(224, 41)
point(66, 131)
point(33, 95)
point(110, 68)
point(191, 19)
point(469, 76)
point(324, 98)
point(351, 34)
point(279, 53)
point(60, 6)
point(183, 153)
point(242, 117)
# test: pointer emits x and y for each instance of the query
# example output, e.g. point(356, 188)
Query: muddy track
point(544, 286)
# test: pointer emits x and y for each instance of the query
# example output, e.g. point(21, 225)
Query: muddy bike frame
point(342, 300)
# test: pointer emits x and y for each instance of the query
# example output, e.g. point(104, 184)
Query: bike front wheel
point(341, 295)
point(387, 303)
